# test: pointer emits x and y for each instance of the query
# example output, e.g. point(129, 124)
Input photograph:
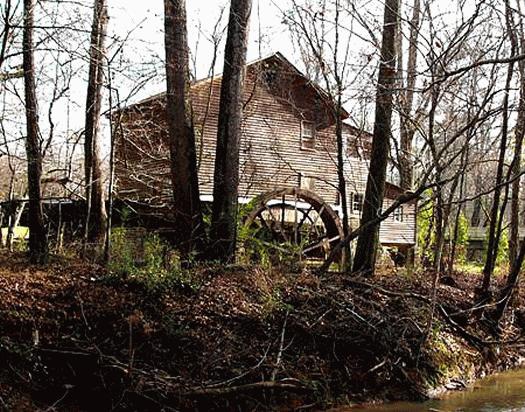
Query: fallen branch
point(281, 348)
point(473, 339)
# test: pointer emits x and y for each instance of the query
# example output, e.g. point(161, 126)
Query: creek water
point(504, 392)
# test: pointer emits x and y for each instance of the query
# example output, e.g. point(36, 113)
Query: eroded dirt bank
point(74, 338)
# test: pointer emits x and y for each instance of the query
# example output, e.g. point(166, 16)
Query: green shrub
point(149, 262)
point(122, 256)
point(257, 246)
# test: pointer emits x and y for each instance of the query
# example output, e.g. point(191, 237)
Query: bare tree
point(226, 174)
point(368, 241)
point(6, 32)
point(189, 228)
point(329, 59)
point(96, 211)
point(38, 247)
point(407, 129)
point(517, 37)
point(497, 210)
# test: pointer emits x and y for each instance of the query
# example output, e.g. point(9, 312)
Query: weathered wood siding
point(271, 154)
point(271, 151)
point(392, 231)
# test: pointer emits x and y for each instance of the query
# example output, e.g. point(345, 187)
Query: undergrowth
point(149, 262)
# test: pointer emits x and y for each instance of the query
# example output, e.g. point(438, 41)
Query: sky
point(145, 20)
point(136, 30)
point(136, 45)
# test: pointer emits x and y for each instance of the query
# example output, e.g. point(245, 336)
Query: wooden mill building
point(288, 140)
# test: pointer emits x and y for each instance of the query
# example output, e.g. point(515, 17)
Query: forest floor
point(75, 338)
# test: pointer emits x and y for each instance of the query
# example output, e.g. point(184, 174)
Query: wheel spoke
point(305, 216)
point(278, 214)
point(312, 247)
point(314, 225)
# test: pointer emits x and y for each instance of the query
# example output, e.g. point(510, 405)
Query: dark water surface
point(504, 392)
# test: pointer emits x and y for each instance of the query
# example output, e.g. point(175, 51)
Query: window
point(398, 214)
point(357, 203)
point(307, 135)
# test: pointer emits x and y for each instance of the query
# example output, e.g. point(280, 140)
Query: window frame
point(311, 139)
point(357, 211)
point(398, 215)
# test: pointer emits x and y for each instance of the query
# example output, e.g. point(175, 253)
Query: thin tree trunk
point(38, 247)
point(439, 212)
point(492, 244)
point(516, 181)
point(7, 31)
point(511, 284)
point(189, 230)
point(226, 174)
point(96, 209)
point(519, 136)
point(341, 180)
point(368, 241)
point(60, 230)
point(475, 220)
point(8, 210)
point(113, 125)
point(452, 256)
point(406, 167)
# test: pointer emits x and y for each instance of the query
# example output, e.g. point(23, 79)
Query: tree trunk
point(515, 177)
point(189, 228)
point(455, 233)
point(368, 241)
point(38, 247)
point(406, 172)
point(341, 181)
point(96, 209)
point(495, 222)
point(6, 31)
point(515, 256)
point(226, 175)
point(518, 40)
point(511, 285)
point(439, 207)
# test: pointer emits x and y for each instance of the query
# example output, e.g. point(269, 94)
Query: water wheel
point(295, 217)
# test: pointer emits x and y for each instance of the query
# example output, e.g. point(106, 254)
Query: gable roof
point(280, 59)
